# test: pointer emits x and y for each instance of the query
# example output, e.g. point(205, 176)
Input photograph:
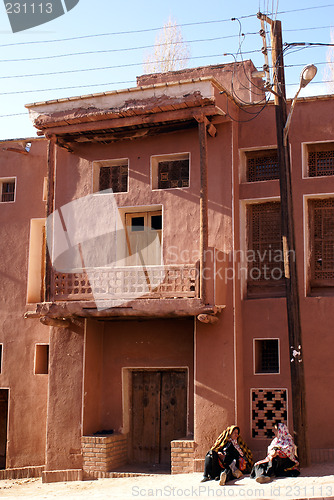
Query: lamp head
point(307, 74)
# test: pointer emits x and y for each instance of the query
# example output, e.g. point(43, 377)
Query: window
point(320, 159)
point(321, 220)
point(41, 359)
point(266, 356)
point(262, 165)
point(7, 187)
point(110, 174)
point(264, 253)
point(170, 171)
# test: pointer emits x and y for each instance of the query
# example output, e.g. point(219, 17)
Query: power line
point(118, 83)
point(126, 49)
point(116, 33)
point(107, 67)
point(145, 30)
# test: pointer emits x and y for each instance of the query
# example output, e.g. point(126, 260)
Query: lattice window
point(320, 159)
point(266, 356)
point(173, 174)
point(269, 407)
point(262, 165)
point(321, 217)
point(264, 254)
point(7, 190)
point(114, 177)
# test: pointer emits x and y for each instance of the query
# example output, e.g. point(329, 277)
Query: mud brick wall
point(103, 453)
point(182, 456)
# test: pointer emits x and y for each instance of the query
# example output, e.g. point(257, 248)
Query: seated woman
point(281, 459)
point(229, 457)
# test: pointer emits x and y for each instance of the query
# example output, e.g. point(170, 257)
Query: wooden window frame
point(118, 171)
point(271, 170)
point(317, 152)
point(318, 284)
point(160, 162)
point(258, 344)
point(7, 180)
point(262, 288)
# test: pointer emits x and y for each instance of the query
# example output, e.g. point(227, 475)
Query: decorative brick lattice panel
point(262, 166)
point(265, 256)
point(320, 163)
point(173, 174)
point(322, 241)
point(127, 282)
point(269, 406)
point(114, 177)
point(182, 456)
point(103, 453)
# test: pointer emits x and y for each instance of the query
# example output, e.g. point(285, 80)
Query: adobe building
point(146, 308)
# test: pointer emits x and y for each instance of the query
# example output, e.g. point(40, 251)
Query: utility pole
point(288, 244)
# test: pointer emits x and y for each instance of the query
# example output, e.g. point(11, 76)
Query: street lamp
point(307, 75)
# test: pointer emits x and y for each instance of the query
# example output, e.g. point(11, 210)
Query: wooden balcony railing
point(156, 282)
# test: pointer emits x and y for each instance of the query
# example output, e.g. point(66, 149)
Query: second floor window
point(7, 190)
point(173, 174)
point(262, 165)
point(321, 232)
point(111, 174)
point(114, 177)
point(264, 251)
point(320, 159)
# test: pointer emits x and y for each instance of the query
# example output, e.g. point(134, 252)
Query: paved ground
point(316, 481)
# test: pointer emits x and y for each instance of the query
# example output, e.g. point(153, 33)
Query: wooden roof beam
point(114, 123)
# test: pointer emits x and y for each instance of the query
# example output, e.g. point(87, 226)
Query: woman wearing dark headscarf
point(229, 457)
point(281, 459)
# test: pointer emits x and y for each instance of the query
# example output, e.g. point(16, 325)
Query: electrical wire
point(146, 30)
point(116, 33)
point(127, 49)
point(107, 67)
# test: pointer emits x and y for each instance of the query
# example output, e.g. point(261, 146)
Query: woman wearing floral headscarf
point(229, 457)
point(281, 459)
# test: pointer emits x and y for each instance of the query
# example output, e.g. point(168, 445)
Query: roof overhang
point(128, 113)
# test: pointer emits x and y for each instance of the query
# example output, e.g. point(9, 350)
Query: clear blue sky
point(115, 68)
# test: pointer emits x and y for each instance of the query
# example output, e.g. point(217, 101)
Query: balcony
point(127, 283)
point(133, 291)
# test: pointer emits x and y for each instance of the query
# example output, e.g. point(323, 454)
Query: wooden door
point(143, 238)
point(3, 426)
point(159, 414)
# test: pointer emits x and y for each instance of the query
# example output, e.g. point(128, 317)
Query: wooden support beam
point(207, 318)
point(204, 223)
point(130, 121)
point(58, 322)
